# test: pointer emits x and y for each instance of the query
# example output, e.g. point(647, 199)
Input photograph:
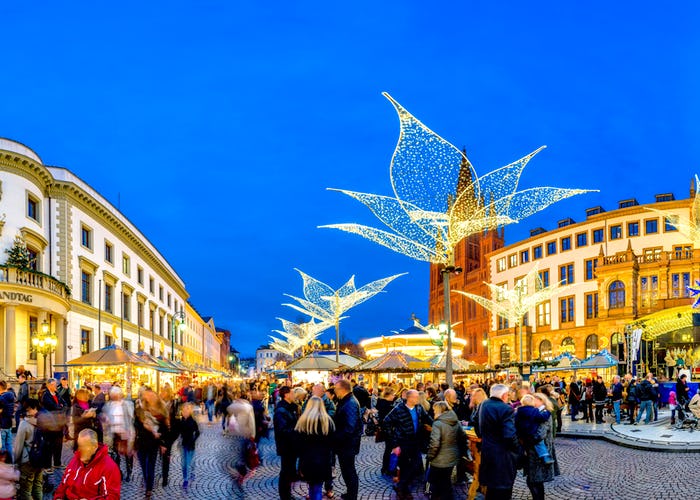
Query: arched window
point(545, 350)
point(505, 354)
point(591, 345)
point(617, 345)
point(616, 295)
point(568, 345)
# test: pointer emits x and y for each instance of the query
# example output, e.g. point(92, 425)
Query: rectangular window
point(160, 293)
point(127, 344)
point(682, 252)
point(544, 315)
point(544, 279)
point(501, 264)
point(151, 321)
point(524, 256)
point(139, 275)
point(151, 285)
point(502, 322)
point(170, 297)
point(679, 285)
point(537, 252)
point(551, 248)
point(139, 314)
point(126, 306)
point(591, 305)
point(108, 298)
point(616, 232)
point(33, 325)
point(86, 237)
point(85, 341)
point(161, 327)
point(32, 208)
point(632, 229)
point(109, 252)
point(126, 265)
point(651, 226)
point(591, 265)
point(109, 340)
point(566, 244)
point(566, 274)
point(566, 309)
point(33, 259)
point(670, 223)
point(86, 287)
point(649, 290)
point(513, 260)
point(598, 236)
point(581, 240)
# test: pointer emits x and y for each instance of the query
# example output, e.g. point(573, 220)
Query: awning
point(603, 359)
point(567, 362)
point(392, 361)
point(312, 362)
point(110, 355)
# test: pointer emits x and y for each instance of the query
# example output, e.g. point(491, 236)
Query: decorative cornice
point(87, 264)
point(25, 167)
point(34, 238)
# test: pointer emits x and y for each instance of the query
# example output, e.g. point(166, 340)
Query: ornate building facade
point(93, 280)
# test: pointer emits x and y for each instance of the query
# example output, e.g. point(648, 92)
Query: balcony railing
point(33, 279)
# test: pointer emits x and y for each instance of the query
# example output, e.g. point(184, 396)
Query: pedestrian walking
point(538, 470)
point(31, 477)
point(188, 430)
point(151, 425)
point(348, 434)
point(53, 421)
point(499, 444)
point(447, 441)
point(242, 428)
point(315, 428)
point(84, 417)
point(384, 405)
point(285, 420)
point(22, 397)
point(7, 413)
point(119, 429)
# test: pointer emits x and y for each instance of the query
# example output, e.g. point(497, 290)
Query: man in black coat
point(285, 419)
point(407, 427)
point(361, 395)
point(54, 434)
point(22, 397)
point(499, 444)
point(348, 434)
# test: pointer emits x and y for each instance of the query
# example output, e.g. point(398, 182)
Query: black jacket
point(362, 396)
point(188, 429)
point(600, 392)
point(682, 391)
point(315, 457)
point(7, 405)
point(499, 444)
point(645, 391)
point(285, 419)
point(23, 393)
point(348, 426)
point(400, 431)
point(49, 403)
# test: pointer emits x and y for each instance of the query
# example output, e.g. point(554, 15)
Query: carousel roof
point(110, 355)
point(314, 361)
point(391, 361)
point(603, 359)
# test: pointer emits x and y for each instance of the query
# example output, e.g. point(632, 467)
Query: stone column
point(10, 344)
point(60, 356)
point(3, 329)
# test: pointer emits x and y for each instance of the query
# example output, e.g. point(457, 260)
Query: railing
point(33, 279)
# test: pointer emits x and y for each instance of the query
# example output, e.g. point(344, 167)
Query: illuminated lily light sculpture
point(514, 304)
point(322, 303)
point(297, 335)
point(439, 200)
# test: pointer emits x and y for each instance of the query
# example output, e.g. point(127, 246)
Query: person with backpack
point(30, 454)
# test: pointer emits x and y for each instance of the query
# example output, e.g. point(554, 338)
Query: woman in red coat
point(91, 459)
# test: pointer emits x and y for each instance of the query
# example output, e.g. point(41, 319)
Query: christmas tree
point(18, 255)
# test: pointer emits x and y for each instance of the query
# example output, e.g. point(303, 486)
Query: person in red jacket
point(91, 473)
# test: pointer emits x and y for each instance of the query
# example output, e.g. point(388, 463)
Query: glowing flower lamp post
point(516, 303)
point(323, 303)
point(439, 200)
point(44, 344)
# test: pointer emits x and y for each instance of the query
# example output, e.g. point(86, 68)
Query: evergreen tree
point(18, 255)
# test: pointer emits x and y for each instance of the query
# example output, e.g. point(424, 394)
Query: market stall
point(602, 363)
point(560, 365)
point(163, 373)
point(394, 365)
point(313, 368)
point(109, 366)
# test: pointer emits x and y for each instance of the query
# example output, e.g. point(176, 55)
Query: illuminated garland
point(438, 198)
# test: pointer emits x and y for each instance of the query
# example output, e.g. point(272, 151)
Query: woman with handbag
point(384, 405)
point(315, 427)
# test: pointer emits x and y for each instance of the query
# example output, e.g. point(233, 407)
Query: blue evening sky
point(218, 125)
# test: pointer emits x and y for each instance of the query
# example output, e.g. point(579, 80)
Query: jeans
point(315, 491)
point(573, 410)
point(616, 408)
point(441, 482)
point(599, 406)
point(347, 469)
point(649, 408)
point(187, 463)
point(147, 460)
point(210, 410)
point(6, 440)
point(31, 483)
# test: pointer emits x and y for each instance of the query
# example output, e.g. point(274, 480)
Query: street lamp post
point(179, 316)
point(446, 272)
point(44, 344)
point(485, 343)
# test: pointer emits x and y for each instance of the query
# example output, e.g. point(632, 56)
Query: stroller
point(685, 419)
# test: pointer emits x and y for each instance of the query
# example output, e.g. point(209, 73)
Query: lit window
point(615, 232)
point(126, 265)
point(591, 345)
point(513, 260)
point(544, 314)
point(545, 350)
point(501, 264)
point(524, 256)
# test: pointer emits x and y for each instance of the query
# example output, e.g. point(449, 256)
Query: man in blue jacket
point(407, 426)
point(499, 444)
point(348, 433)
point(7, 413)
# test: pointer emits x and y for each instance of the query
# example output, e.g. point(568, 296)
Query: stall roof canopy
point(459, 364)
point(314, 361)
point(160, 364)
point(603, 359)
point(391, 361)
point(567, 362)
point(110, 355)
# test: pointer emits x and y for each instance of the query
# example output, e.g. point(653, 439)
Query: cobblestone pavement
point(590, 469)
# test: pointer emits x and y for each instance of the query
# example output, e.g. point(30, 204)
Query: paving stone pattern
point(591, 469)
